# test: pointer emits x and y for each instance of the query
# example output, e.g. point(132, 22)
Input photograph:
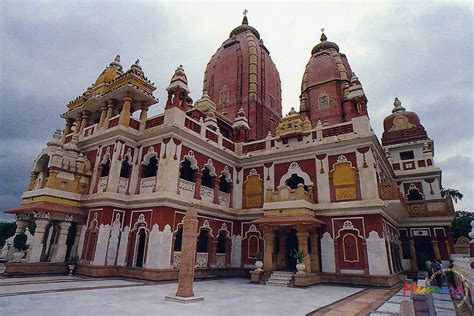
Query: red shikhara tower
point(242, 74)
point(330, 91)
point(317, 180)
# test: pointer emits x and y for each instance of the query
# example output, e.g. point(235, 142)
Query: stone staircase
point(280, 278)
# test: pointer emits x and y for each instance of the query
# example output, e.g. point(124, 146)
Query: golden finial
point(245, 12)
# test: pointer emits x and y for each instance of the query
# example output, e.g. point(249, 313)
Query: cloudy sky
point(420, 52)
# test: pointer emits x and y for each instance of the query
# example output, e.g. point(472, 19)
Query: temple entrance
point(424, 251)
point(291, 245)
point(141, 248)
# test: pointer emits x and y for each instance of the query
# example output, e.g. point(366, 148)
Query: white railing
point(102, 184)
point(224, 199)
point(220, 260)
point(207, 194)
point(122, 185)
point(186, 188)
point(176, 259)
point(201, 260)
point(147, 184)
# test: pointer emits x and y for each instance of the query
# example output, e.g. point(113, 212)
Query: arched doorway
point(291, 246)
point(202, 257)
point(141, 244)
point(294, 180)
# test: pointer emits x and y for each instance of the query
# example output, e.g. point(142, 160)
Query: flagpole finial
point(245, 12)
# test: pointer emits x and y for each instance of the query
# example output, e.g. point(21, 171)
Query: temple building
point(316, 180)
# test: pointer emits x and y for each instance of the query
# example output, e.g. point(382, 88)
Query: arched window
point(178, 239)
point(207, 180)
point(294, 180)
point(350, 248)
point(203, 240)
point(414, 195)
point(150, 169)
point(187, 172)
point(141, 239)
point(221, 242)
point(126, 167)
point(223, 184)
point(105, 168)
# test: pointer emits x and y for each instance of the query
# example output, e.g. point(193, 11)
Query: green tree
point(7, 229)
point(462, 224)
point(452, 193)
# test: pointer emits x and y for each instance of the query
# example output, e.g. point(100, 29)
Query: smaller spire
point(245, 20)
point(397, 106)
point(323, 36)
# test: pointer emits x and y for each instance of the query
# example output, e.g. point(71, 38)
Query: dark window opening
point(203, 240)
point(414, 195)
point(105, 169)
point(178, 239)
point(294, 180)
point(187, 173)
point(407, 155)
point(224, 185)
point(150, 169)
point(207, 180)
point(221, 242)
point(125, 170)
point(141, 247)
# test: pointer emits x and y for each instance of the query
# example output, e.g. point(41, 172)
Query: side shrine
point(119, 182)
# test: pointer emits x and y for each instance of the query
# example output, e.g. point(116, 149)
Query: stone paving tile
point(390, 308)
point(38, 278)
point(230, 297)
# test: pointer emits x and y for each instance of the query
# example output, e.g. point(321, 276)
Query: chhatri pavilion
point(113, 186)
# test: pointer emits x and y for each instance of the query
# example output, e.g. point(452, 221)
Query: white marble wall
point(377, 254)
point(367, 176)
point(122, 251)
point(236, 252)
point(82, 238)
point(113, 243)
point(327, 253)
point(159, 248)
point(322, 180)
point(102, 244)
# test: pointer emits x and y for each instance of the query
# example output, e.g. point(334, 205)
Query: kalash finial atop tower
point(244, 27)
point(397, 106)
point(324, 44)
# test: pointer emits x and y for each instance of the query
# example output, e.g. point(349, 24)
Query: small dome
point(402, 126)
point(243, 28)
point(110, 73)
point(324, 45)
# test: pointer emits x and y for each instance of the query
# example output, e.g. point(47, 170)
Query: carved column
point(110, 112)
point(144, 111)
point(231, 195)
point(413, 261)
point(212, 253)
point(268, 236)
point(188, 254)
point(197, 185)
point(51, 182)
point(85, 118)
point(282, 236)
point(76, 241)
point(436, 251)
point(61, 248)
point(21, 223)
point(42, 221)
point(216, 190)
point(315, 252)
point(67, 129)
point(302, 235)
point(103, 115)
point(78, 124)
point(126, 111)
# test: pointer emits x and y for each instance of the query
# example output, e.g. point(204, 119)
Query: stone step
point(277, 283)
point(280, 277)
point(283, 272)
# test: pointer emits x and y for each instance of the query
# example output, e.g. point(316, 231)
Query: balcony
point(288, 194)
point(102, 184)
point(224, 199)
point(122, 185)
point(207, 194)
point(438, 207)
point(186, 188)
point(147, 185)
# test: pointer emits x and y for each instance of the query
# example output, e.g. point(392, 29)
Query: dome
point(242, 74)
point(402, 126)
point(324, 45)
point(110, 73)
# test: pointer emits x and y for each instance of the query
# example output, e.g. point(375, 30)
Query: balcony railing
point(122, 185)
point(147, 184)
point(207, 194)
point(287, 194)
point(202, 259)
point(438, 207)
point(186, 188)
point(102, 184)
point(220, 260)
point(224, 199)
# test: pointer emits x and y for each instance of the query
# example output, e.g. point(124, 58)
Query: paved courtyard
point(80, 296)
